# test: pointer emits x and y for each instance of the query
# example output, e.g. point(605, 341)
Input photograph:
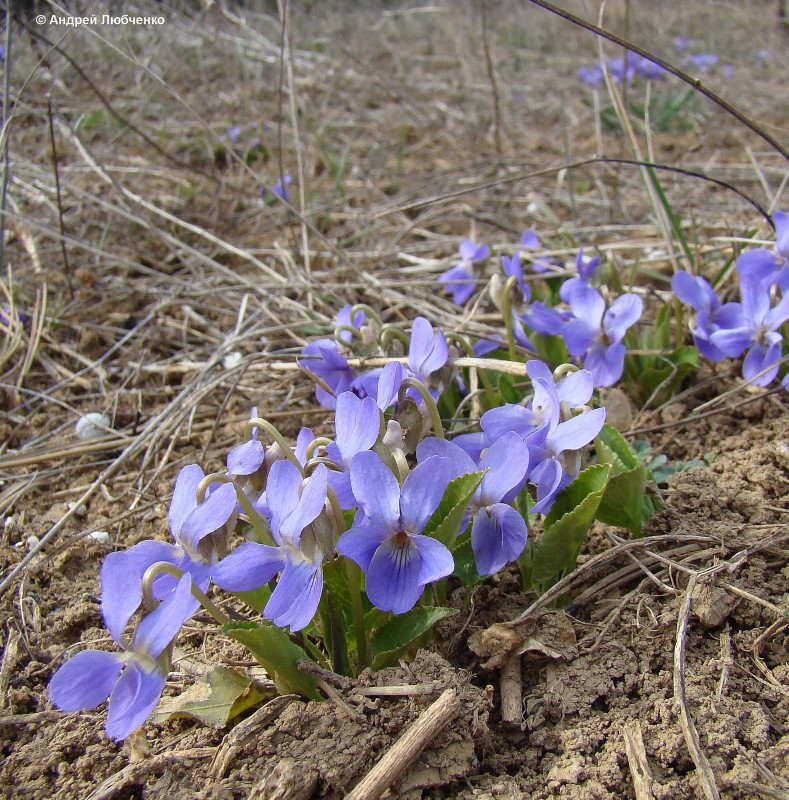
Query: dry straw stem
point(418, 736)
point(703, 768)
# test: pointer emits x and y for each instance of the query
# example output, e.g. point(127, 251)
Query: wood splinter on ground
point(637, 761)
point(511, 692)
point(408, 747)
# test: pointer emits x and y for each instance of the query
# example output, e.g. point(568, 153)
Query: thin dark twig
point(5, 131)
point(669, 67)
point(494, 88)
point(631, 162)
point(61, 226)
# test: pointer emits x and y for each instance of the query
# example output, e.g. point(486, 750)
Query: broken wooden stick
point(407, 747)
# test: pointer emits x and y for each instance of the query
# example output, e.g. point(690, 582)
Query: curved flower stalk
point(389, 546)
point(200, 532)
point(297, 554)
point(133, 680)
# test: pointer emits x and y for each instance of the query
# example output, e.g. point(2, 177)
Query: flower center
point(401, 538)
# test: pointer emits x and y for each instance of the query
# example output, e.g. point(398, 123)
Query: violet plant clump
point(448, 461)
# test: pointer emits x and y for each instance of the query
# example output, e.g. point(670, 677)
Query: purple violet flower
point(514, 269)
point(344, 318)
point(390, 548)
point(323, 358)
point(585, 267)
point(498, 532)
point(711, 315)
point(649, 70)
point(459, 280)
point(297, 556)
point(357, 424)
point(234, 134)
point(759, 333)
point(596, 334)
point(428, 351)
point(132, 680)
point(761, 263)
point(192, 525)
point(280, 188)
point(591, 75)
point(531, 241)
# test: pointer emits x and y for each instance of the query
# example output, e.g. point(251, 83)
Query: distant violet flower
point(558, 460)
point(543, 320)
point(591, 75)
point(682, 43)
point(133, 680)
point(531, 241)
point(759, 333)
point(649, 70)
point(621, 69)
point(459, 280)
point(711, 314)
point(234, 134)
point(585, 267)
point(323, 358)
point(280, 188)
point(514, 269)
point(483, 347)
point(704, 62)
point(428, 351)
point(246, 458)
point(344, 318)
point(596, 334)
point(297, 555)
point(389, 547)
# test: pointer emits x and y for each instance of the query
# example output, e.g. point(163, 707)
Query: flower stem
point(256, 519)
point(432, 409)
point(257, 422)
point(163, 566)
point(506, 310)
point(354, 575)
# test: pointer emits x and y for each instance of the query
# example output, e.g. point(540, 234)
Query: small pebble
point(79, 510)
point(99, 536)
point(232, 360)
point(91, 425)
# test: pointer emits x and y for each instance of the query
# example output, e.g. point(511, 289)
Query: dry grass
point(161, 257)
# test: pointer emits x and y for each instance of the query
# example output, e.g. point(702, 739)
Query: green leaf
point(551, 349)
point(624, 501)
point(506, 386)
point(277, 654)
point(255, 598)
point(214, 698)
point(396, 637)
point(566, 525)
point(614, 449)
point(465, 564)
point(446, 520)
